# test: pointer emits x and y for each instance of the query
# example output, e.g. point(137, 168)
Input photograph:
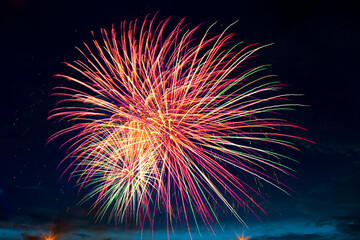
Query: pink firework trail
point(162, 120)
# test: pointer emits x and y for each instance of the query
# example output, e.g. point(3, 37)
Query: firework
point(161, 119)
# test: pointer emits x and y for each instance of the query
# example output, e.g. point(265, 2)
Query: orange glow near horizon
point(49, 237)
point(242, 237)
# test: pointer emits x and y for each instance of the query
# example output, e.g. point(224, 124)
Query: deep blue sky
point(316, 53)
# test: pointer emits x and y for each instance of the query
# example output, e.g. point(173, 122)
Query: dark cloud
point(4, 225)
point(27, 236)
point(303, 237)
point(348, 225)
point(34, 214)
point(61, 226)
point(82, 235)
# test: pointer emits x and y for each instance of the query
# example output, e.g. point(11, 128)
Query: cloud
point(347, 225)
point(27, 236)
point(291, 236)
point(82, 235)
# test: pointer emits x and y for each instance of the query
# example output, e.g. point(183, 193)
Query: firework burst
point(162, 119)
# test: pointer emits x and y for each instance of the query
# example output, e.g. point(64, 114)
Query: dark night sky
point(316, 53)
